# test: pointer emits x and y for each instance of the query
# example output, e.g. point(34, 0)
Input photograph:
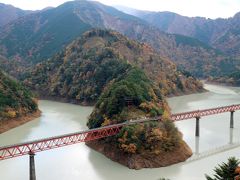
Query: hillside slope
point(38, 36)
point(42, 34)
point(13, 66)
point(222, 34)
point(146, 145)
point(232, 79)
point(15, 99)
point(88, 64)
point(10, 13)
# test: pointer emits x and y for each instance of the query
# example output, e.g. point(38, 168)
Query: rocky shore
point(145, 159)
point(8, 124)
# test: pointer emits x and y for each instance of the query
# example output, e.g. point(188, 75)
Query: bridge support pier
point(32, 173)
point(231, 119)
point(197, 131)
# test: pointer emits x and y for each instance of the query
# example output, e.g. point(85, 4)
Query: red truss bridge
point(64, 140)
point(94, 134)
point(204, 112)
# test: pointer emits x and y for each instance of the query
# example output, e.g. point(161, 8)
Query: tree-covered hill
point(232, 79)
point(12, 67)
point(82, 70)
point(38, 36)
point(138, 144)
point(134, 86)
point(15, 99)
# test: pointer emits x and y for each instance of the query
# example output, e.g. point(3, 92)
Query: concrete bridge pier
point(32, 173)
point(231, 119)
point(197, 131)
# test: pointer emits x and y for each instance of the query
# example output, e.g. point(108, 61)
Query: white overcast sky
point(204, 8)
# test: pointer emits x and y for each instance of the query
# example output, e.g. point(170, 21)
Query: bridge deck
point(93, 134)
point(204, 112)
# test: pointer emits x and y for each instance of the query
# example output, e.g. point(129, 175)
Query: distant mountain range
point(222, 34)
point(38, 36)
point(10, 13)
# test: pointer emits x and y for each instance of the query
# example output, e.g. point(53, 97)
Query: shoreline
point(42, 96)
point(6, 125)
point(142, 160)
point(187, 93)
point(84, 103)
point(221, 84)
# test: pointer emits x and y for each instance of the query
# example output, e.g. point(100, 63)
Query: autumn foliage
point(15, 100)
point(146, 101)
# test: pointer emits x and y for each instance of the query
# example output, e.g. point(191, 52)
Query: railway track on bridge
point(94, 134)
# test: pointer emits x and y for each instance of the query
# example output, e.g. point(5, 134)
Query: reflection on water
point(216, 143)
point(196, 145)
point(231, 145)
point(231, 136)
point(224, 90)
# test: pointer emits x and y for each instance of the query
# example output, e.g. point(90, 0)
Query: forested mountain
point(12, 66)
point(232, 79)
point(10, 13)
point(136, 145)
point(15, 99)
point(222, 34)
point(38, 36)
point(82, 70)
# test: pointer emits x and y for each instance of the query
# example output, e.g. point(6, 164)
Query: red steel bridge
point(30, 148)
point(111, 130)
point(204, 112)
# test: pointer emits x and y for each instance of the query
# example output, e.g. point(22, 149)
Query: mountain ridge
point(218, 32)
point(97, 58)
point(41, 35)
point(9, 13)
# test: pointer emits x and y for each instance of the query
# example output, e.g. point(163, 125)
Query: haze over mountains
point(9, 13)
point(213, 50)
point(222, 34)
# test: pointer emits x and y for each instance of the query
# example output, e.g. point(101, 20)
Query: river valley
point(217, 142)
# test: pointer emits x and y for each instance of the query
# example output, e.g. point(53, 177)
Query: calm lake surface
point(217, 142)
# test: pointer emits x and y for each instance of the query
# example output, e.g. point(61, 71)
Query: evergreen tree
point(225, 171)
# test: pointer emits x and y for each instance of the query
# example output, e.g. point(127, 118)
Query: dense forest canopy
point(15, 99)
point(82, 70)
